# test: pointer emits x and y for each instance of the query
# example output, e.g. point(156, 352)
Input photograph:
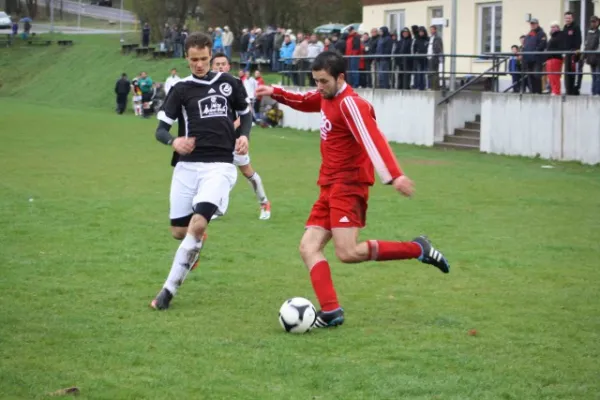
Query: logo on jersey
point(213, 106)
point(325, 127)
point(225, 89)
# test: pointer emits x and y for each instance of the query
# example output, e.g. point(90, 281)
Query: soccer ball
point(297, 315)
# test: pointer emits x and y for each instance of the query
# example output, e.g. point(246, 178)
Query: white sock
point(258, 188)
point(185, 257)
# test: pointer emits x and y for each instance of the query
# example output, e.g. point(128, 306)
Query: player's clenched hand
point(241, 145)
point(264, 90)
point(184, 145)
point(404, 185)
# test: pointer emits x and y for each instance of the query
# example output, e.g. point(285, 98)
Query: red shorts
point(340, 205)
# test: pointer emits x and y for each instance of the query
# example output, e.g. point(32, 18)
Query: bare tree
point(32, 7)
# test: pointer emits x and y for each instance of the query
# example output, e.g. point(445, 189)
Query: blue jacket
point(218, 42)
point(287, 52)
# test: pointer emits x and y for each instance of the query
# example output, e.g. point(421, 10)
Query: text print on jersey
point(213, 106)
point(325, 127)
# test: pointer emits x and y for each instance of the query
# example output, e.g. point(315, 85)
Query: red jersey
point(352, 146)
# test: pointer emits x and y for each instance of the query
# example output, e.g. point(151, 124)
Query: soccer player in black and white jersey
point(220, 63)
point(205, 103)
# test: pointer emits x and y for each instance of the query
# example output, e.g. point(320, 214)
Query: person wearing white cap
point(227, 41)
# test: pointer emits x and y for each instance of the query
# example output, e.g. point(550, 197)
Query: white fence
point(403, 118)
point(528, 125)
point(552, 127)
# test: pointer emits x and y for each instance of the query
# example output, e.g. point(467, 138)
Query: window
point(395, 20)
point(437, 19)
point(490, 28)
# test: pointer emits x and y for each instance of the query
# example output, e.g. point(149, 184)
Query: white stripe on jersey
point(367, 140)
point(162, 116)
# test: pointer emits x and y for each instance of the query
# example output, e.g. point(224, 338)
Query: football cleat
point(430, 255)
point(265, 211)
point(162, 300)
point(329, 319)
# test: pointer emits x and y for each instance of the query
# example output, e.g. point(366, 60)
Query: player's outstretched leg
point(311, 250)
point(349, 251)
point(185, 259)
point(259, 190)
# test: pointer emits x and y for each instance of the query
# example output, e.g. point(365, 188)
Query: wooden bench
point(144, 50)
point(163, 54)
point(39, 42)
point(6, 41)
point(128, 48)
point(64, 42)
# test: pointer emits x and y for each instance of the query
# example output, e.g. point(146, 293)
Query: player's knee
point(307, 249)
point(178, 232)
point(347, 255)
point(198, 225)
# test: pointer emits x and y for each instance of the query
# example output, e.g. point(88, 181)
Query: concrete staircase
point(466, 138)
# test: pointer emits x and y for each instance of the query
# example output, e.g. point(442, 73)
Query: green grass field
point(85, 246)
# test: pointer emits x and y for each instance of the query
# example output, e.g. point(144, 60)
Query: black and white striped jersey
point(206, 108)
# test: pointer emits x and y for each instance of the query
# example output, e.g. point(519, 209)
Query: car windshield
point(3, 14)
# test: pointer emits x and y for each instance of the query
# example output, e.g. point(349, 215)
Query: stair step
point(473, 125)
point(470, 133)
point(456, 146)
point(472, 141)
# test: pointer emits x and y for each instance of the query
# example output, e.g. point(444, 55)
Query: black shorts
point(146, 97)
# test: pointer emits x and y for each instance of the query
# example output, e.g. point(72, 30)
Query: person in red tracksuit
point(352, 149)
point(353, 46)
point(554, 63)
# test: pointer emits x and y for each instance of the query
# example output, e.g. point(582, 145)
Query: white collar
point(344, 86)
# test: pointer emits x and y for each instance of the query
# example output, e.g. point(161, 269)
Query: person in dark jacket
point(535, 41)
point(122, 88)
point(405, 64)
point(371, 64)
point(592, 43)
point(244, 45)
point(146, 35)
point(384, 50)
point(573, 40)
point(435, 49)
point(554, 62)
point(420, 46)
point(340, 44)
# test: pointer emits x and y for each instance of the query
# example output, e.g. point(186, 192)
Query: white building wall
point(529, 125)
point(532, 125)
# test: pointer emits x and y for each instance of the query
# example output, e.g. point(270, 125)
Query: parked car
point(103, 3)
point(5, 21)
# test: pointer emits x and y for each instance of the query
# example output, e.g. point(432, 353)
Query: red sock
point(380, 250)
point(320, 276)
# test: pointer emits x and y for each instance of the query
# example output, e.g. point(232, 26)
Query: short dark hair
point(569, 13)
point(514, 46)
point(522, 37)
point(199, 40)
point(330, 61)
point(219, 55)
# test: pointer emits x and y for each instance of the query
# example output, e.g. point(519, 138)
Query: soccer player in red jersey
point(352, 149)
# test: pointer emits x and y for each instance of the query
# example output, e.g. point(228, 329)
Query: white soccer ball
point(297, 315)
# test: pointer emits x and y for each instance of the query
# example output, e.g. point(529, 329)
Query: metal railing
point(391, 70)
